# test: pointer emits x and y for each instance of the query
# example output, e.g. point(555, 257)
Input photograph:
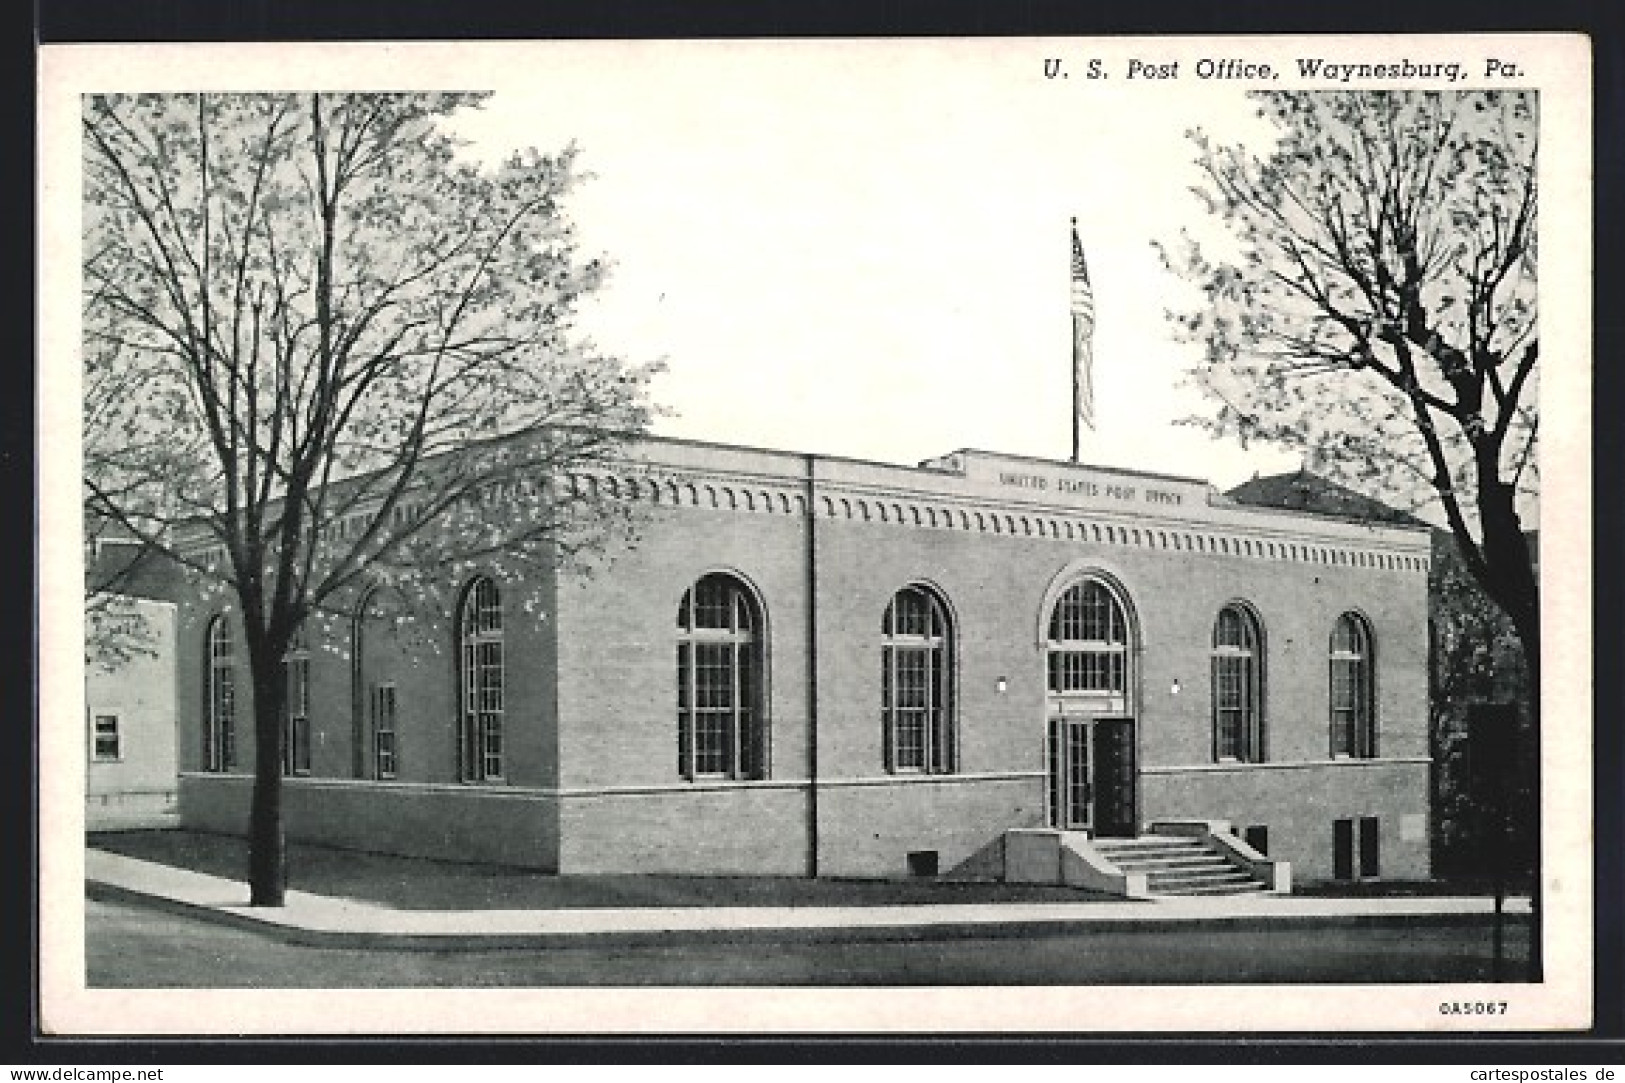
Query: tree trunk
point(1511, 582)
point(267, 856)
point(1528, 625)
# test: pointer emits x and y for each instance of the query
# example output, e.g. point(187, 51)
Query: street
point(133, 946)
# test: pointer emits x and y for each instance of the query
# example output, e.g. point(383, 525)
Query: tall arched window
point(721, 731)
point(1238, 686)
point(917, 693)
point(1088, 647)
point(1354, 723)
point(480, 632)
point(220, 725)
point(374, 751)
point(296, 712)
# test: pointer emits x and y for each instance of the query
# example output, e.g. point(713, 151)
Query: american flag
point(1083, 333)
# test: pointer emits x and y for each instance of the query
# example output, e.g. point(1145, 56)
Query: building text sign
point(1123, 489)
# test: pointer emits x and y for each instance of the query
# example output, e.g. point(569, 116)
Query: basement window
point(922, 863)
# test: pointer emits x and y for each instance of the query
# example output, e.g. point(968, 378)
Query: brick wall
point(413, 648)
point(708, 830)
point(501, 825)
point(1298, 803)
point(617, 644)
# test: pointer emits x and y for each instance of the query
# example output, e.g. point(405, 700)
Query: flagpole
point(1077, 420)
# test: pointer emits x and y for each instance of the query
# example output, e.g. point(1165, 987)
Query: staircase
point(1185, 857)
point(1176, 865)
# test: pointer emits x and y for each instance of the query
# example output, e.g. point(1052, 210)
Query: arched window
point(296, 711)
point(917, 693)
point(1238, 686)
point(1354, 722)
point(480, 632)
point(721, 731)
point(1088, 647)
point(372, 730)
point(220, 725)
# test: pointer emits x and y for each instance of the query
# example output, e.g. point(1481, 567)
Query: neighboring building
point(130, 674)
point(130, 714)
point(812, 665)
point(1305, 491)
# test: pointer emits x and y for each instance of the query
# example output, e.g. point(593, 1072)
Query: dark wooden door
point(1114, 796)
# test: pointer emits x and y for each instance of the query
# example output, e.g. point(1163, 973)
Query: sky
point(863, 249)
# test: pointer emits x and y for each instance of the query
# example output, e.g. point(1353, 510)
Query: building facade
point(130, 716)
point(817, 666)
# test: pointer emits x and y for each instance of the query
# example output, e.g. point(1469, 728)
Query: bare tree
point(332, 353)
point(1377, 311)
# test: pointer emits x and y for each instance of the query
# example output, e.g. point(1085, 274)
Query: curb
point(307, 936)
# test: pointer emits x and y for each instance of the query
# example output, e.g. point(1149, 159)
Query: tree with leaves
point(1476, 661)
point(1374, 309)
point(323, 352)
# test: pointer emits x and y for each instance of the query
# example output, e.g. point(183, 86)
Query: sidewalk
point(327, 921)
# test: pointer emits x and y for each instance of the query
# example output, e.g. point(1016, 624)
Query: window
point(1238, 686)
point(917, 696)
point(1370, 858)
point(481, 678)
point(220, 720)
point(105, 744)
point(296, 712)
point(720, 729)
point(1088, 648)
point(1355, 849)
point(1258, 837)
point(1354, 725)
point(383, 730)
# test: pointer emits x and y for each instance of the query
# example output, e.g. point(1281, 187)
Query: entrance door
point(1114, 778)
point(1091, 775)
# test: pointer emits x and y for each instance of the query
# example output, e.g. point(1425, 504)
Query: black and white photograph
point(889, 535)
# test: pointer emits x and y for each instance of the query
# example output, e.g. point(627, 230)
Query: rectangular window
point(383, 730)
point(713, 710)
point(1356, 849)
point(106, 745)
point(1053, 759)
point(1230, 703)
point(751, 738)
point(296, 744)
point(1343, 850)
point(943, 745)
point(220, 735)
point(1344, 708)
point(911, 709)
point(488, 701)
point(1370, 860)
point(1077, 780)
point(685, 713)
point(1258, 837)
point(1086, 671)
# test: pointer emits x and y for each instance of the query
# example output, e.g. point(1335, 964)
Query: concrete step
point(1135, 853)
point(1249, 887)
point(1158, 862)
point(1138, 849)
point(1213, 873)
point(1149, 840)
point(1214, 870)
